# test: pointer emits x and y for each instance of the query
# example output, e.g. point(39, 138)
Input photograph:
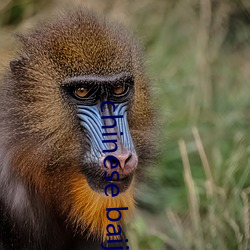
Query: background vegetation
point(197, 193)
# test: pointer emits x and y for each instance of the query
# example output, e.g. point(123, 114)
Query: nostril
point(114, 162)
point(110, 161)
point(128, 159)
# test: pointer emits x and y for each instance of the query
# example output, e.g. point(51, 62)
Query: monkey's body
point(14, 238)
point(51, 160)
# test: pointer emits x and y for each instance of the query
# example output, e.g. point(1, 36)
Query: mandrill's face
point(79, 106)
point(101, 103)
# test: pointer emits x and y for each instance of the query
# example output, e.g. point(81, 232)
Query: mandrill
point(75, 117)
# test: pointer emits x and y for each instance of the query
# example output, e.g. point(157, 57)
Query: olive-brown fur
point(41, 142)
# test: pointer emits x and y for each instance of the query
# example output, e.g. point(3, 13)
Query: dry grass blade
point(204, 159)
point(246, 220)
point(192, 197)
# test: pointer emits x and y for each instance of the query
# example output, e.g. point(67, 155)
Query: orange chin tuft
point(88, 208)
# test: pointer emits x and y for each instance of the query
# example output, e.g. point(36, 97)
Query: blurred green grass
point(198, 54)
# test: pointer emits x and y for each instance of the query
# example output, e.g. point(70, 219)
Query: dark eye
point(119, 89)
point(81, 92)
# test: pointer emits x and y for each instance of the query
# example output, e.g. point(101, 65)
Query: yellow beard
point(89, 208)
